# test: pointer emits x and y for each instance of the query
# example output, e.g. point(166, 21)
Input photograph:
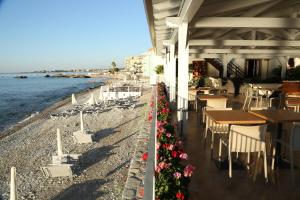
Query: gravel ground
point(105, 162)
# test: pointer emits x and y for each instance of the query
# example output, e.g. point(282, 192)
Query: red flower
point(145, 156)
point(174, 154)
point(180, 195)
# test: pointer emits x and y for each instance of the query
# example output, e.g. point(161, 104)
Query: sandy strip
point(105, 162)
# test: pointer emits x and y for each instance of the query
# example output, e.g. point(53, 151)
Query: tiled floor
point(209, 182)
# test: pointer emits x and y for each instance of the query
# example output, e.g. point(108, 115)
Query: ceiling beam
point(244, 56)
point(170, 4)
point(246, 51)
point(259, 43)
point(228, 6)
point(187, 12)
point(246, 22)
point(166, 13)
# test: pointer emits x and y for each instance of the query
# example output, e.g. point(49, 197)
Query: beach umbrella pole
point(59, 144)
point(13, 191)
point(81, 122)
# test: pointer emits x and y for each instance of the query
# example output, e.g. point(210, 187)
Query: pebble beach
point(103, 169)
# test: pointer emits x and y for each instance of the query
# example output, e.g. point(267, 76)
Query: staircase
point(232, 68)
point(216, 63)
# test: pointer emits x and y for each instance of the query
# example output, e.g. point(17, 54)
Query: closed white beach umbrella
point(59, 143)
point(92, 100)
point(13, 189)
point(81, 122)
point(74, 101)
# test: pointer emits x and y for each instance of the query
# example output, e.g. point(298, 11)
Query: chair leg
point(230, 164)
point(273, 157)
point(245, 102)
point(220, 150)
point(249, 103)
point(257, 100)
point(248, 161)
point(212, 140)
point(265, 164)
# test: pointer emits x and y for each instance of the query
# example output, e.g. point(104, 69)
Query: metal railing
point(151, 161)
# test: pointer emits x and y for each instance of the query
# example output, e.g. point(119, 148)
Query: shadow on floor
point(86, 190)
point(118, 167)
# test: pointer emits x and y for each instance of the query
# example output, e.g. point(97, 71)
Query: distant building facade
point(143, 64)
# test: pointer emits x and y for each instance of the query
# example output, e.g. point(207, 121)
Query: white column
point(225, 60)
point(183, 76)
point(283, 62)
point(13, 189)
point(59, 143)
point(172, 67)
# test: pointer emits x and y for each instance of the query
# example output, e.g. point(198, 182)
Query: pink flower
point(168, 135)
point(188, 170)
point(177, 175)
point(170, 147)
point(183, 156)
point(157, 169)
point(157, 145)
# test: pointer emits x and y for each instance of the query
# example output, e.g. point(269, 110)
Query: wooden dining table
point(233, 117)
point(278, 117)
point(206, 97)
point(236, 117)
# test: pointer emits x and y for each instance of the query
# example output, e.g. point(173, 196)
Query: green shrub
point(159, 69)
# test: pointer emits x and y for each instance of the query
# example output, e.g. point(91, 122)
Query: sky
point(68, 34)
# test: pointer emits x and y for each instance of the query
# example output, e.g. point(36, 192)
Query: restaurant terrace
point(231, 72)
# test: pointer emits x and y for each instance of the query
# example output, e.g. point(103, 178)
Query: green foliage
point(159, 69)
point(293, 73)
point(276, 72)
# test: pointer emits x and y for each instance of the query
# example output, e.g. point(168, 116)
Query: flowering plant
point(172, 173)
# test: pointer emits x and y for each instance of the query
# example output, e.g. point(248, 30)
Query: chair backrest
point(295, 136)
point(216, 103)
point(247, 138)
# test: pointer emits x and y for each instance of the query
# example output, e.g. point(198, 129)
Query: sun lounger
point(82, 137)
point(58, 170)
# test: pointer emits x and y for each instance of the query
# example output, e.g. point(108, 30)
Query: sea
point(20, 98)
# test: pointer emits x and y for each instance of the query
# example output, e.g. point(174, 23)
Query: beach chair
point(245, 139)
point(58, 170)
point(82, 137)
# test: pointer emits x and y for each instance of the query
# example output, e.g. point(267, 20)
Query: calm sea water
point(19, 98)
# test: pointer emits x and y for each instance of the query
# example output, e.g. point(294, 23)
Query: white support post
point(13, 189)
point(172, 67)
point(81, 122)
point(283, 62)
point(225, 60)
point(183, 75)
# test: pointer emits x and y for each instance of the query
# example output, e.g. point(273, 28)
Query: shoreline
point(11, 129)
point(104, 168)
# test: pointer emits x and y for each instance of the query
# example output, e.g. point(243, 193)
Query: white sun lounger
point(82, 137)
point(61, 170)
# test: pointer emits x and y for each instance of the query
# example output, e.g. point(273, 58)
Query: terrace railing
point(151, 161)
